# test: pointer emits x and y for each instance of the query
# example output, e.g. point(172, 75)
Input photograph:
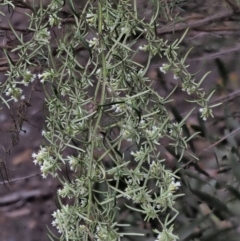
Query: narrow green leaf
point(181, 39)
point(179, 119)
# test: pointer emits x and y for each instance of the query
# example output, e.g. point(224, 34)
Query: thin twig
point(199, 23)
point(219, 141)
point(21, 178)
point(213, 145)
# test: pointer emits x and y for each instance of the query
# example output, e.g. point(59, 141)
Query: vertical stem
point(102, 79)
point(135, 8)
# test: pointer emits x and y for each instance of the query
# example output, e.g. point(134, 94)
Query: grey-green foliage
point(99, 109)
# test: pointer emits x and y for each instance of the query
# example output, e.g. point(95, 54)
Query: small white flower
point(159, 236)
point(23, 97)
point(177, 184)
point(130, 181)
point(175, 77)
point(54, 223)
point(152, 164)
point(54, 214)
point(89, 15)
point(164, 68)
point(44, 176)
point(127, 196)
point(33, 77)
point(34, 155)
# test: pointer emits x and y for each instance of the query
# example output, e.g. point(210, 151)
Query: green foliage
point(106, 114)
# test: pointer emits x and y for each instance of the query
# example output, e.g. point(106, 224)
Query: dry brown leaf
point(22, 157)
point(18, 213)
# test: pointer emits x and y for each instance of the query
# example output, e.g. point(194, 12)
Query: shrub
point(104, 119)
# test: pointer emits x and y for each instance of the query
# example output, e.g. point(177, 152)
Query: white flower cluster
point(140, 196)
point(141, 154)
point(166, 235)
point(142, 124)
point(174, 185)
point(130, 189)
point(73, 162)
point(74, 189)
point(91, 19)
point(119, 108)
point(98, 71)
point(104, 233)
point(175, 76)
point(127, 133)
point(155, 168)
point(66, 220)
point(42, 36)
point(93, 42)
point(167, 184)
point(205, 112)
point(54, 20)
point(48, 165)
point(124, 29)
point(190, 88)
point(154, 134)
point(165, 68)
point(47, 75)
point(28, 77)
point(176, 130)
point(56, 5)
point(14, 92)
point(143, 47)
point(124, 106)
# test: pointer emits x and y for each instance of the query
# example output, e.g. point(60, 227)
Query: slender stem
point(102, 79)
